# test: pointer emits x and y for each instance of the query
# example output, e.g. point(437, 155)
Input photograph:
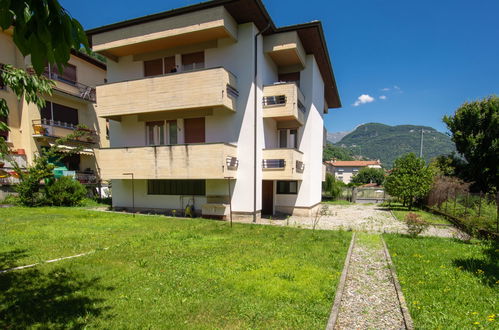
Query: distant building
point(344, 170)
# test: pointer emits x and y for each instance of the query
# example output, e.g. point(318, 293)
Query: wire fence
point(475, 211)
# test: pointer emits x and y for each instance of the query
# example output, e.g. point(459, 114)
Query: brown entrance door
point(267, 197)
point(194, 130)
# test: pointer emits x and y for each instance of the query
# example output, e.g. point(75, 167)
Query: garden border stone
point(341, 287)
point(403, 305)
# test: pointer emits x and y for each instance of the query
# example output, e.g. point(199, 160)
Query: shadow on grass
point(55, 299)
point(486, 269)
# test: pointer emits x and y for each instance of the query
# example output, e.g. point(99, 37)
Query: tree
point(335, 152)
point(44, 30)
point(475, 131)
point(369, 175)
point(410, 179)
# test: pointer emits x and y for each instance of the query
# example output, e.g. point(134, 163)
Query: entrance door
point(267, 197)
point(194, 130)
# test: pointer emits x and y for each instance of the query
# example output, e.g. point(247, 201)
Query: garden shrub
point(66, 191)
point(415, 225)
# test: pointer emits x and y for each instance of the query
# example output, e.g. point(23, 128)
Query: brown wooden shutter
point(290, 77)
point(194, 130)
point(170, 64)
point(153, 67)
point(193, 58)
point(68, 74)
point(65, 114)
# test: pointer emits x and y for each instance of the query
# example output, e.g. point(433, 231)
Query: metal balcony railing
point(273, 163)
point(80, 90)
point(300, 166)
point(57, 129)
point(274, 100)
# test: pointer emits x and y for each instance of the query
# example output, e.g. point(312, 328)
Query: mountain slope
point(384, 142)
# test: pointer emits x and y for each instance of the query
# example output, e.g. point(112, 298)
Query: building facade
point(345, 170)
point(72, 104)
point(214, 107)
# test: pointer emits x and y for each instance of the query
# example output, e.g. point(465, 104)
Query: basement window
point(287, 187)
point(176, 187)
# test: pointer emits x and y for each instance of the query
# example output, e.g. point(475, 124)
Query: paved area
point(358, 217)
point(369, 299)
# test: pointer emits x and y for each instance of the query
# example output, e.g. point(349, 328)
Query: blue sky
point(425, 57)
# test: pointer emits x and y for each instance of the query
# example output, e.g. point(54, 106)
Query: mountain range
point(386, 143)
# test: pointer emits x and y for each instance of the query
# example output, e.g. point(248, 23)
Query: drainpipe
point(255, 122)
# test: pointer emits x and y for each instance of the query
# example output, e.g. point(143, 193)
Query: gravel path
point(358, 217)
point(369, 299)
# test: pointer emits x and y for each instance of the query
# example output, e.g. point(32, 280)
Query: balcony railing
point(72, 87)
point(284, 102)
point(282, 164)
point(212, 89)
point(58, 129)
point(182, 161)
point(273, 163)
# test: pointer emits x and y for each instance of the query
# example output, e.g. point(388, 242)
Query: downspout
point(255, 122)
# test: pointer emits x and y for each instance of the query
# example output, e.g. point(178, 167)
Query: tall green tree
point(369, 175)
point(44, 30)
point(475, 131)
point(409, 179)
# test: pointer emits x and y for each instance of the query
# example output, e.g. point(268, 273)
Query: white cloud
point(396, 87)
point(382, 97)
point(363, 99)
point(386, 89)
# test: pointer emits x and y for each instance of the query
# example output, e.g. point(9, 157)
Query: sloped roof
point(354, 163)
point(244, 11)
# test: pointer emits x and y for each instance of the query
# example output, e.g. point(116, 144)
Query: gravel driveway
point(359, 217)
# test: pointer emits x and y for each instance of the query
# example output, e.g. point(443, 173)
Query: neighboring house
point(72, 103)
point(189, 114)
point(344, 170)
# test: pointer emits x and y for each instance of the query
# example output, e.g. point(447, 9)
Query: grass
point(338, 202)
point(448, 283)
point(400, 213)
point(473, 212)
point(160, 271)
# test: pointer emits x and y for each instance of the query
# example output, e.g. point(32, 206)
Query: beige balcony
point(163, 33)
point(285, 49)
point(72, 88)
point(46, 129)
point(282, 164)
point(207, 89)
point(284, 102)
point(187, 161)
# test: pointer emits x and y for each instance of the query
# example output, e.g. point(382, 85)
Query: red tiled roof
point(358, 163)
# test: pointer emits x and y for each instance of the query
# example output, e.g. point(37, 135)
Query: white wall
point(311, 141)
point(125, 69)
point(122, 195)
point(238, 58)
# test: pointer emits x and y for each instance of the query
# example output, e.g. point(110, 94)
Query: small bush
point(66, 192)
point(11, 200)
point(415, 225)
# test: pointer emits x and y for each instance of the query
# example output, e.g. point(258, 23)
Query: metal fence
point(477, 211)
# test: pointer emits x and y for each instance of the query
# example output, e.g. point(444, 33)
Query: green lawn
point(160, 272)
point(338, 202)
point(400, 212)
point(448, 284)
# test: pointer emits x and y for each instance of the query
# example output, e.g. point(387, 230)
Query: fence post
point(466, 205)
point(446, 202)
point(480, 205)
point(455, 201)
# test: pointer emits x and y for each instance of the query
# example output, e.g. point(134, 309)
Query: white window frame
point(157, 134)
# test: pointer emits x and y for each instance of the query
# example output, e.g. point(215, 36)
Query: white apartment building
point(213, 106)
point(345, 170)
